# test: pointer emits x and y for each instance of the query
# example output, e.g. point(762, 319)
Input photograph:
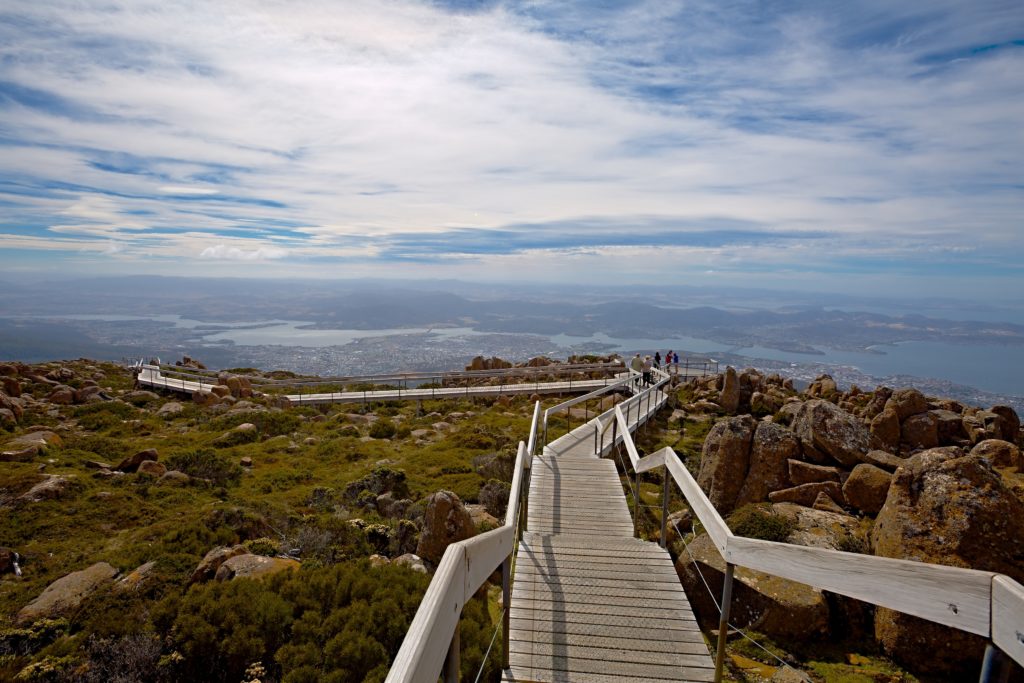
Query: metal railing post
point(597, 428)
point(993, 669)
point(665, 493)
point(451, 660)
point(506, 603)
point(636, 504)
point(723, 621)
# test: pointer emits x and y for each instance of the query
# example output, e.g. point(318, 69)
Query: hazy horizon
point(865, 148)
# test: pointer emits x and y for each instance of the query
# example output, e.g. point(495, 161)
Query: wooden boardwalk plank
point(590, 603)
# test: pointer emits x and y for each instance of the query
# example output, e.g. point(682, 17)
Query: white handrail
point(463, 569)
point(979, 602)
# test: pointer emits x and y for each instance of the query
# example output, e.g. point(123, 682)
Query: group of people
point(646, 364)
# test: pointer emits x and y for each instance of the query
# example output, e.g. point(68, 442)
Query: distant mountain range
point(386, 305)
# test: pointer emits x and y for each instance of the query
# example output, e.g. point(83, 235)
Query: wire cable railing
point(979, 602)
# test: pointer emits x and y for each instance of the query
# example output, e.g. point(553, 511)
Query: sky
point(871, 146)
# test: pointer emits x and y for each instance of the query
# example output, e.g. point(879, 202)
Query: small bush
point(752, 521)
point(349, 430)
point(25, 641)
point(99, 416)
point(263, 546)
point(205, 463)
point(382, 429)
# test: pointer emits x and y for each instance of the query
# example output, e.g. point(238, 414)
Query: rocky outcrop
point(999, 453)
point(817, 528)
point(253, 566)
point(907, 402)
point(782, 609)
point(920, 431)
point(445, 521)
point(412, 561)
point(801, 472)
point(729, 397)
point(132, 462)
point(152, 468)
point(211, 562)
point(725, 460)
point(68, 592)
point(826, 432)
point(947, 510)
point(37, 442)
point(1009, 429)
point(866, 488)
point(771, 448)
point(243, 433)
point(806, 494)
point(137, 578)
point(53, 487)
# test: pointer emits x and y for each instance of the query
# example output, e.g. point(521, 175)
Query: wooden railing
point(431, 645)
point(984, 603)
point(406, 378)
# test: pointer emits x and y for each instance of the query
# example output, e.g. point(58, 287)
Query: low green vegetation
point(309, 486)
point(758, 521)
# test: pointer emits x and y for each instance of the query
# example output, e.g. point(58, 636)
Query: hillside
point(159, 539)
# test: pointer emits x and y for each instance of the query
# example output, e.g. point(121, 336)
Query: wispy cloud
point(511, 139)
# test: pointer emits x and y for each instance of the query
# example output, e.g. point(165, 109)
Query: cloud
point(864, 137)
point(225, 253)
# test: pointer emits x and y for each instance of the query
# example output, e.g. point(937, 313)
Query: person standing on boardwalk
point(657, 359)
point(637, 364)
point(647, 365)
point(668, 361)
point(675, 361)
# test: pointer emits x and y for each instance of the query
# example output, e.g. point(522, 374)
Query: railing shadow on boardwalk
point(984, 603)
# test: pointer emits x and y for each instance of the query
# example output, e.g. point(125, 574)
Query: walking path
point(591, 603)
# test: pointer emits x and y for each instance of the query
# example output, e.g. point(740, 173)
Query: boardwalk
point(590, 603)
point(150, 376)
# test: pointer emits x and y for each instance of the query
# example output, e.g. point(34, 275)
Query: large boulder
point(806, 494)
point(38, 441)
point(818, 528)
point(947, 510)
point(725, 460)
point(920, 431)
point(801, 472)
point(827, 431)
point(779, 608)
point(243, 433)
point(885, 427)
point(11, 386)
point(53, 487)
point(866, 488)
point(211, 562)
point(445, 521)
point(907, 402)
point(823, 387)
point(132, 462)
point(771, 448)
point(729, 396)
point(67, 592)
point(62, 395)
point(999, 453)
point(950, 427)
point(887, 461)
point(254, 566)
point(1010, 427)
point(13, 404)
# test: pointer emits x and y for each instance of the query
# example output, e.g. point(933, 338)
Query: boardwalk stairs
point(587, 602)
point(590, 602)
